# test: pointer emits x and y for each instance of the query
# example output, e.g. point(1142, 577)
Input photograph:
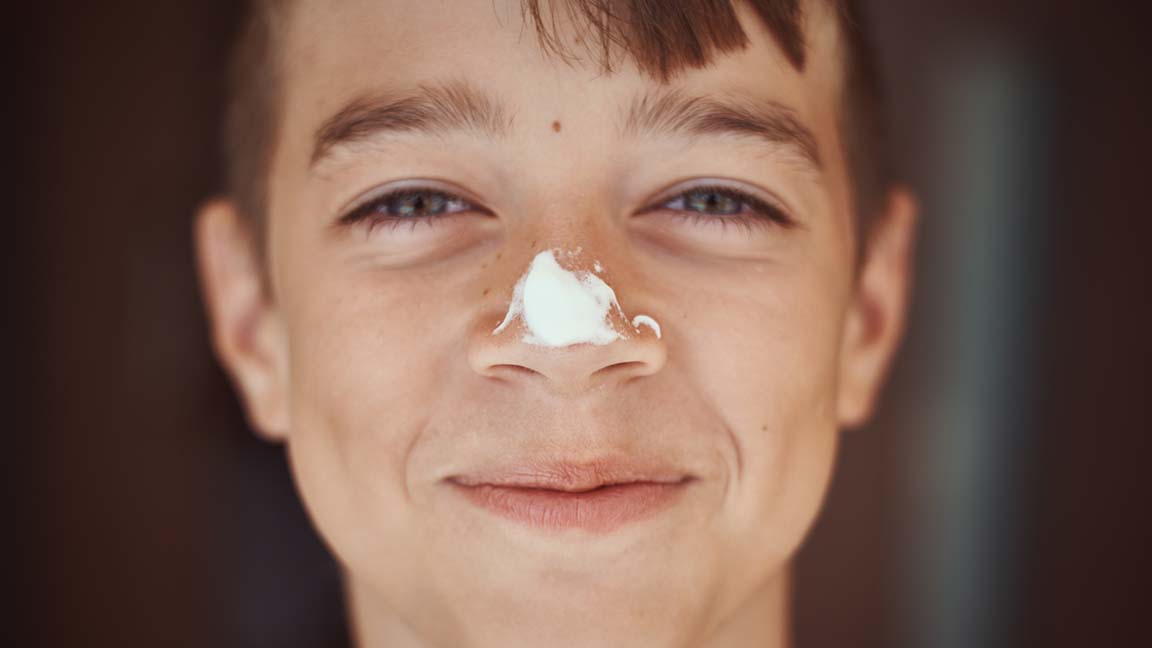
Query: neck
point(761, 622)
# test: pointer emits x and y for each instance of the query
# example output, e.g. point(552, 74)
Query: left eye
point(709, 200)
point(726, 203)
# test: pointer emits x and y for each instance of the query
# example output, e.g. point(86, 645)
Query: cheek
point(362, 360)
point(768, 365)
point(364, 354)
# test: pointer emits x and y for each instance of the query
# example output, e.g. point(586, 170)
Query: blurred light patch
point(984, 252)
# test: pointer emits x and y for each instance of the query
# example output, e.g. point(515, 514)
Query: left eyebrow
point(675, 112)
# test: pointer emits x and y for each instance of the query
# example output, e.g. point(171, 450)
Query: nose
point(515, 352)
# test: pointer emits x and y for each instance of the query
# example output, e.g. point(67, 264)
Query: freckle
point(499, 254)
point(483, 265)
point(764, 429)
point(486, 291)
point(556, 126)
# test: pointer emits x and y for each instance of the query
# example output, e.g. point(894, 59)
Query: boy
point(558, 307)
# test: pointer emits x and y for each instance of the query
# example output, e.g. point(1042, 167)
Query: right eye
point(412, 205)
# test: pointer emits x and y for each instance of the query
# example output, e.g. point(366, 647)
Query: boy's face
point(413, 430)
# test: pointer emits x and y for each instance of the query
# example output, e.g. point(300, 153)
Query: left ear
point(875, 319)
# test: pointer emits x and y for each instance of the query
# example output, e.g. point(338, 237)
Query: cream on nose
point(561, 307)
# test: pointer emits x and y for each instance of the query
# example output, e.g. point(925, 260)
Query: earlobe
point(246, 331)
point(875, 320)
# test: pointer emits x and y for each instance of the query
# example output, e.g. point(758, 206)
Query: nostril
point(511, 371)
point(622, 365)
point(636, 367)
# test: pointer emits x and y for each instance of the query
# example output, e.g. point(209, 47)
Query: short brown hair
point(663, 37)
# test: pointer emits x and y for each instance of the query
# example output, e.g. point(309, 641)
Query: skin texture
point(368, 351)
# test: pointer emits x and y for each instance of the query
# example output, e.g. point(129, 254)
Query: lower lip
point(601, 510)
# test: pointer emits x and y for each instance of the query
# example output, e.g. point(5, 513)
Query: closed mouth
point(594, 497)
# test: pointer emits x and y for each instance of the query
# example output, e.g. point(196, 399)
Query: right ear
point(247, 333)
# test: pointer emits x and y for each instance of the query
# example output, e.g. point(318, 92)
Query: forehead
point(336, 52)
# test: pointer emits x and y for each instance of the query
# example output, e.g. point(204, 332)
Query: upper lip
point(573, 476)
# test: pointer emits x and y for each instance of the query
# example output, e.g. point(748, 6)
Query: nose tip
point(570, 369)
point(566, 327)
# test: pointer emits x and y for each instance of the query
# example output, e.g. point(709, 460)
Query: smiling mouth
point(597, 498)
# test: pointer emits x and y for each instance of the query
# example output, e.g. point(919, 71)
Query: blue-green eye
point(408, 204)
point(726, 204)
point(710, 201)
point(414, 204)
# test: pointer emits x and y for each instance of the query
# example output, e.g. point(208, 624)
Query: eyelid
point(769, 209)
point(353, 211)
point(410, 184)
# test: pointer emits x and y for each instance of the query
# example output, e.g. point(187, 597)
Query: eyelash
point(370, 210)
point(761, 213)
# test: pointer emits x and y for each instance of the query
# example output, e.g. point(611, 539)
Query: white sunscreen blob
point(562, 307)
point(644, 320)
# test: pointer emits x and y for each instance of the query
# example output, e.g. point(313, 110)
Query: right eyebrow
point(431, 109)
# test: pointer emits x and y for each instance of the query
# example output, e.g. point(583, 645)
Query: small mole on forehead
point(556, 126)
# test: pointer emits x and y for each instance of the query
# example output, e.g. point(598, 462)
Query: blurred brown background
point(1000, 499)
